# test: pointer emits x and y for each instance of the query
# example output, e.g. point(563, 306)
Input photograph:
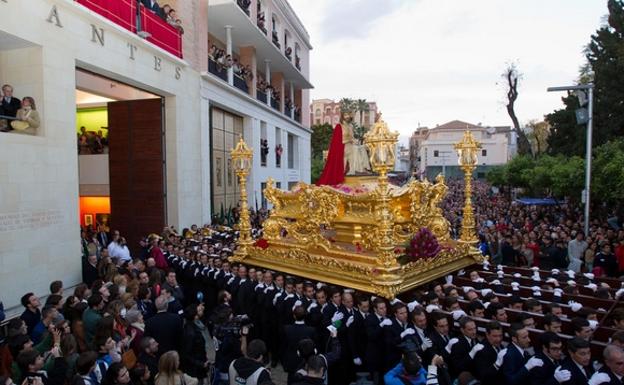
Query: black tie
point(526, 356)
point(445, 339)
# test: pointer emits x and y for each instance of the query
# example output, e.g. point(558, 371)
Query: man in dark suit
point(458, 348)
point(9, 104)
point(484, 359)
point(518, 362)
point(578, 363)
point(153, 6)
point(440, 334)
point(613, 371)
point(293, 334)
point(165, 327)
point(374, 323)
point(551, 354)
point(394, 335)
point(102, 236)
point(356, 332)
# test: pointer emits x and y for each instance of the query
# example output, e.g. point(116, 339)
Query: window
point(483, 152)
point(317, 112)
point(292, 151)
point(436, 153)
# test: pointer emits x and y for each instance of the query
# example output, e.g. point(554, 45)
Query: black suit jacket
point(484, 367)
point(292, 335)
point(374, 344)
point(156, 8)
point(10, 108)
point(578, 378)
point(614, 379)
point(439, 343)
point(356, 335)
point(544, 375)
point(166, 328)
point(513, 368)
point(460, 361)
point(392, 340)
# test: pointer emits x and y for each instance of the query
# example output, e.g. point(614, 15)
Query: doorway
point(121, 155)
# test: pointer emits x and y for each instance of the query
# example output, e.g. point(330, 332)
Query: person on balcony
point(153, 6)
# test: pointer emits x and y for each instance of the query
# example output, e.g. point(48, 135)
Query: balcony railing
point(240, 83)
point(298, 116)
point(215, 69)
point(287, 111)
point(261, 96)
point(275, 39)
point(134, 17)
point(298, 62)
point(275, 103)
point(244, 5)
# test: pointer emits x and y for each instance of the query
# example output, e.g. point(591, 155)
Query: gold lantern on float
point(241, 163)
point(467, 153)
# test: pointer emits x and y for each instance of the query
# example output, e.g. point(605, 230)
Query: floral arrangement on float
point(423, 245)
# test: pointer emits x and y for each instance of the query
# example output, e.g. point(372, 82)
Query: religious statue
point(356, 160)
point(345, 155)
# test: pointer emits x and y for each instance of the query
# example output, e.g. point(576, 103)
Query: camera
point(234, 327)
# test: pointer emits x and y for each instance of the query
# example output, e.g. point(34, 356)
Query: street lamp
point(241, 163)
point(582, 88)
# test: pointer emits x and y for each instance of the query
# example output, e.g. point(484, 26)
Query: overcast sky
point(431, 61)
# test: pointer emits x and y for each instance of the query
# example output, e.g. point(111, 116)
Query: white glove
point(457, 314)
point(479, 280)
point(619, 293)
point(557, 292)
point(486, 305)
point(515, 286)
point(485, 292)
point(562, 375)
point(461, 272)
point(385, 322)
point(275, 298)
point(517, 275)
point(449, 279)
point(412, 305)
point(395, 301)
point(477, 348)
point(589, 275)
point(593, 324)
point(450, 344)
point(467, 289)
point(535, 269)
point(537, 291)
point(407, 332)
point(486, 265)
point(533, 362)
point(571, 283)
point(312, 306)
point(427, 343)
point(500, 274)
point(499, 267)
point(297, 303)
point(333, 332)
point(431, 308)
point(552, 281)
point(555, 272)
point(319, 285)
point(495, 282)
point(592, 286)
point(499, 358)
point(575, 306)
point(536, 278)
point(349, 321)
point(337, 317)
point(597, 366)
point(599, 378)
point(570, 274)
point(289, 296)
point(357, 361)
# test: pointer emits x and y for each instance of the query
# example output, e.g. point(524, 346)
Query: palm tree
point(347, 105)
point(361, 105)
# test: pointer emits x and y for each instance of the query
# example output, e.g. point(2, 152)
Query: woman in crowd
point(169, 372)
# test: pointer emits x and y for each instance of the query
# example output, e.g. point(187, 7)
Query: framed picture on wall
point(88, 219)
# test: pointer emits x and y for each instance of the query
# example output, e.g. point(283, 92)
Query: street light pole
point(588, 146)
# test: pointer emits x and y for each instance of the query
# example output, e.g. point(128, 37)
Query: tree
point(538, 136)
point(317, 166)
point(320, 138)
point(362, 107)
point(566, 135)
point(348, 105)
point(608, 173)
point(512, 77)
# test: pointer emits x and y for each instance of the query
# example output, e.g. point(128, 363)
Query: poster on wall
point(88, 220)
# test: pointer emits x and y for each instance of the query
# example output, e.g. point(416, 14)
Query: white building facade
point(436, 153)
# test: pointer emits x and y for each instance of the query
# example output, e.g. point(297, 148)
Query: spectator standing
point(576, 252)
point(250, 370)
point(31, 315)
point(165, 327)
point(169, 372)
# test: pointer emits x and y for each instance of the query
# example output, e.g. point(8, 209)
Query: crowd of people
point(166, 12)
point(91, 142)
point(548, 237)
point(18, 115)
point(180, 313)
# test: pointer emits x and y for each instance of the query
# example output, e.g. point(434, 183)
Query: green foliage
point(320, 138)
point(348, 105)
point(605, 67)
point(317, 168)
point(608, 172)
point(362, 107)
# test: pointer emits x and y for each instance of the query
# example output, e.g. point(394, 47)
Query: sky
point(427, 62)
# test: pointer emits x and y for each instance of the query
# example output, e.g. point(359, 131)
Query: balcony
point(138, 20)
point(287, 111)
point(261, 96)
point(248, 33)
point(244, 5)
point(275, 39)
point(240, 83)
point(218, 70)
point(275, 103)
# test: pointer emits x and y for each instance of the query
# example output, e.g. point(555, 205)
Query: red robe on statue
point(333, 173)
